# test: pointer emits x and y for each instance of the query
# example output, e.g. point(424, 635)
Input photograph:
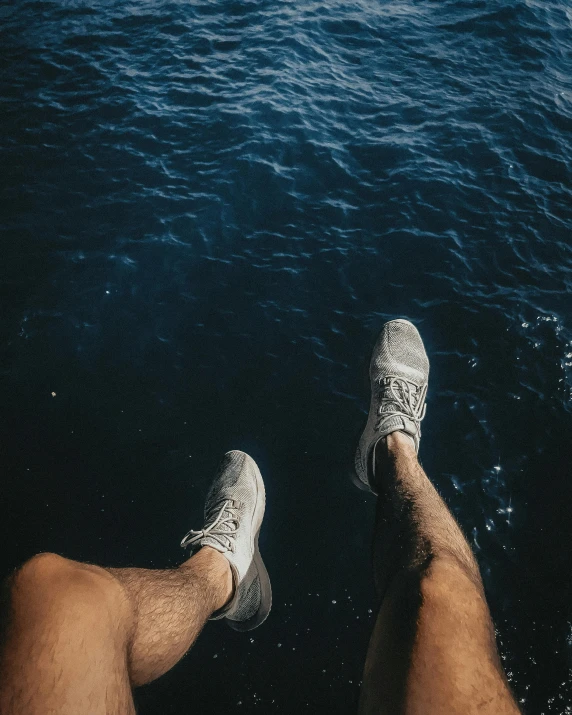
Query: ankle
point(215, 567)
point(388, 450)
point(399, 442)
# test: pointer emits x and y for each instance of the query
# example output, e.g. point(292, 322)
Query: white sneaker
point(399, 373)
point(233, 516)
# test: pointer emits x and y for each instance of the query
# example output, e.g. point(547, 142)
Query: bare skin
point(79, 637)
point(432, 650)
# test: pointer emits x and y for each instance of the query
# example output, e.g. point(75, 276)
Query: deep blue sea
point(208, 209)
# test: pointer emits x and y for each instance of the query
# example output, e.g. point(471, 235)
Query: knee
point(40, 570)
point(51, 582)
point(45, 574)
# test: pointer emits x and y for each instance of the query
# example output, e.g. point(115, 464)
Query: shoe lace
point(409, 399)
point(222, 528)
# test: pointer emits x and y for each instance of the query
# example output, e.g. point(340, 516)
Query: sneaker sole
point(265, 588)
point(356, 481)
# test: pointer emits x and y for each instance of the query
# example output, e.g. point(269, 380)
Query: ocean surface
point(208, 209)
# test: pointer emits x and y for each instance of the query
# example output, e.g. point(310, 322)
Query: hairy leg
point(77, 637)
point(433, 648)
point(170, 609)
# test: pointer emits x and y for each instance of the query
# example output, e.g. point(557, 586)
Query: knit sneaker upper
point(234, 509)
point(399, 372)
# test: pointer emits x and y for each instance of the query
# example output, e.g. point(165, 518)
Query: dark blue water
point(208, 211)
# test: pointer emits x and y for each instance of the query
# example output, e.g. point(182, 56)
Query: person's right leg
point(433, 650)
point(433, 647)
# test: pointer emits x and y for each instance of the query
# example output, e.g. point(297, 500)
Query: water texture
point(208, 211)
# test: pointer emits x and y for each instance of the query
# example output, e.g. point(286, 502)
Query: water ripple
point(236, 195)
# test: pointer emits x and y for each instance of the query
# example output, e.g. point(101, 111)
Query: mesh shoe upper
point(249, 602)
point(234, 509)
point(400, 351)
point(399, 372)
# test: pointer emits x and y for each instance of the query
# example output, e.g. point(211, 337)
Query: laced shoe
point(233, 516)
point(399, 372)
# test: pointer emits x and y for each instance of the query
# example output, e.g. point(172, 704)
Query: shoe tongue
point(213, 543)
point(223, 515)
point(224, 520)
point(389, 403)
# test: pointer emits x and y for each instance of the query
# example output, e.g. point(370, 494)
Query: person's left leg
point(76, 638)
